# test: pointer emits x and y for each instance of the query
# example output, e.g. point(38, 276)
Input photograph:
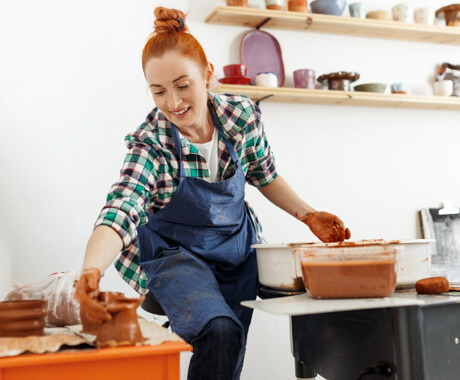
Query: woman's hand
point(327, 227)
point(87, 291)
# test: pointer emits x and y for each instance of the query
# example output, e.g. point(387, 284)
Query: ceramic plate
point(261, 52)
point(235, 80)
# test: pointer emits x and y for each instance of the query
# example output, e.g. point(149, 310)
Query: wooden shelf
point(319, 23)
point(349, 98)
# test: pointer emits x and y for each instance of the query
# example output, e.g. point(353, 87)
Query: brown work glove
point(87, 291)
point(327, 227)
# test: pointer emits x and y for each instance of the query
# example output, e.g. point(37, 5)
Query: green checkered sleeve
point(258, 157)
point(126, 201)
point(130, 270)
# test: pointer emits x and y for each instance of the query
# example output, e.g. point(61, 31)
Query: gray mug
point(357, 10)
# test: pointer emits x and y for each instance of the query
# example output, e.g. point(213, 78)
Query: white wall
point(71, 87)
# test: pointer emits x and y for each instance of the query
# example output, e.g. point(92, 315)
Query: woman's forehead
point(170, 66)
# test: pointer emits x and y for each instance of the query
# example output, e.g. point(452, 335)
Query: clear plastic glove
point(58, 290)
point(327, 227)
point(87, 291)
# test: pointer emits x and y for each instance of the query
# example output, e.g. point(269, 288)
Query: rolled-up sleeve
point(127, 198)
point(260, 158)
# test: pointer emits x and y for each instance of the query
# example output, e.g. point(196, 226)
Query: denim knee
point(218, 351)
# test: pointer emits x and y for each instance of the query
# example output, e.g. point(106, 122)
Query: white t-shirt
point(209, 151)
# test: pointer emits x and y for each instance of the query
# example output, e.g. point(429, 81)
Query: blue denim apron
point(196, 251)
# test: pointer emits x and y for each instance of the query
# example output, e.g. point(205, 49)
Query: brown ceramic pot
point(237, 3)
point(297, 6)
point(22, 318)
point(123, 328)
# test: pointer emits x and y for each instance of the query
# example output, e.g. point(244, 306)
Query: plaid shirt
point(150, 173)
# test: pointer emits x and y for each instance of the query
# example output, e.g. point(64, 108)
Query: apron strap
point(218, 125)
point(178, 147)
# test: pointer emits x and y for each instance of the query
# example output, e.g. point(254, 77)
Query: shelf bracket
point(263, 23)
point(264, 98)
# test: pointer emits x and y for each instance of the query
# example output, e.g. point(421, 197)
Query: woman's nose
point(174, 100)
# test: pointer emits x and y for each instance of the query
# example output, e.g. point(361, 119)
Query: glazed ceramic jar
point(297, 5)
point(304, 78)
point(275, 5)
point(237, 3)
point(22, 318)
point(266, 80)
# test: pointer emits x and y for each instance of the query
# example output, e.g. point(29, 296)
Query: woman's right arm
point(103, 247)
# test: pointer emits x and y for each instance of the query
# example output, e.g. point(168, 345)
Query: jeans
point(218, 351)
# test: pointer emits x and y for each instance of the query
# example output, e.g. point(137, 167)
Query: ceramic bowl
point(328, 7)
point(371, 87)
point(279, 267)
point(450, 13)
point(379, 15)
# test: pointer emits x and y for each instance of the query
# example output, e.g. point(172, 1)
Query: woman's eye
point(158, 93)
point(183, 86)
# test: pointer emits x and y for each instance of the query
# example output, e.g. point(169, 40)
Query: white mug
point(401, 12)
point(267, 80)
point(443, 88)
point(423, 16)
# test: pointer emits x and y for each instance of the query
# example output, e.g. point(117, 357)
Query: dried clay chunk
point(433, 285)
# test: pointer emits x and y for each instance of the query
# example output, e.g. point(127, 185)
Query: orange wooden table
point(161, 362)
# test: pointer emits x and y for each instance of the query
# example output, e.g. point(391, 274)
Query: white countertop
point(304, 304)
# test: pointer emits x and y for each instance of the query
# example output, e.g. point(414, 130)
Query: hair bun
point(169, 20)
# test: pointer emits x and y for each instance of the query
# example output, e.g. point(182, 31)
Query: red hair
point(171, 34)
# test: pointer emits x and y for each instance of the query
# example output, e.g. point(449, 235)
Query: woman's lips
point(181, 113)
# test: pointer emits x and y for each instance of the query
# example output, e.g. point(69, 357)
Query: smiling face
point(179, 89)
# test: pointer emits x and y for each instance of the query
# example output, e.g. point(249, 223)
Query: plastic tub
point(349, 272)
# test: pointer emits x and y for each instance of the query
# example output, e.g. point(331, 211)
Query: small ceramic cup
point(399, 88)
point(304, 78)
point(267, 80)
point(401, 12)
point(236, 70)
point(357, 10)
point(424, 16)
point(443, 88)
point(275, 5)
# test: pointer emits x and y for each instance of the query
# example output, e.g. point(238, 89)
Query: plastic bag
point(58, 289)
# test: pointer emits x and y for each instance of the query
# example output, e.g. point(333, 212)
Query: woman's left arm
point(326, 227)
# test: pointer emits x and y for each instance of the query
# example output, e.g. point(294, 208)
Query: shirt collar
point(232, 119)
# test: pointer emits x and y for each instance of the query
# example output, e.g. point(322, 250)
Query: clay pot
point(237, 3)
point(22, 318)
point(297, 5)
point(123, 328)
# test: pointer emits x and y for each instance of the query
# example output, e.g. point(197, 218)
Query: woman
point(178, 212)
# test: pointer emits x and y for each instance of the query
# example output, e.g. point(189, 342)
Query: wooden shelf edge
point(252, 17)
point(352, 98)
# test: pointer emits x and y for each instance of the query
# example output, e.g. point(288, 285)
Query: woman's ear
point(209, 74)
